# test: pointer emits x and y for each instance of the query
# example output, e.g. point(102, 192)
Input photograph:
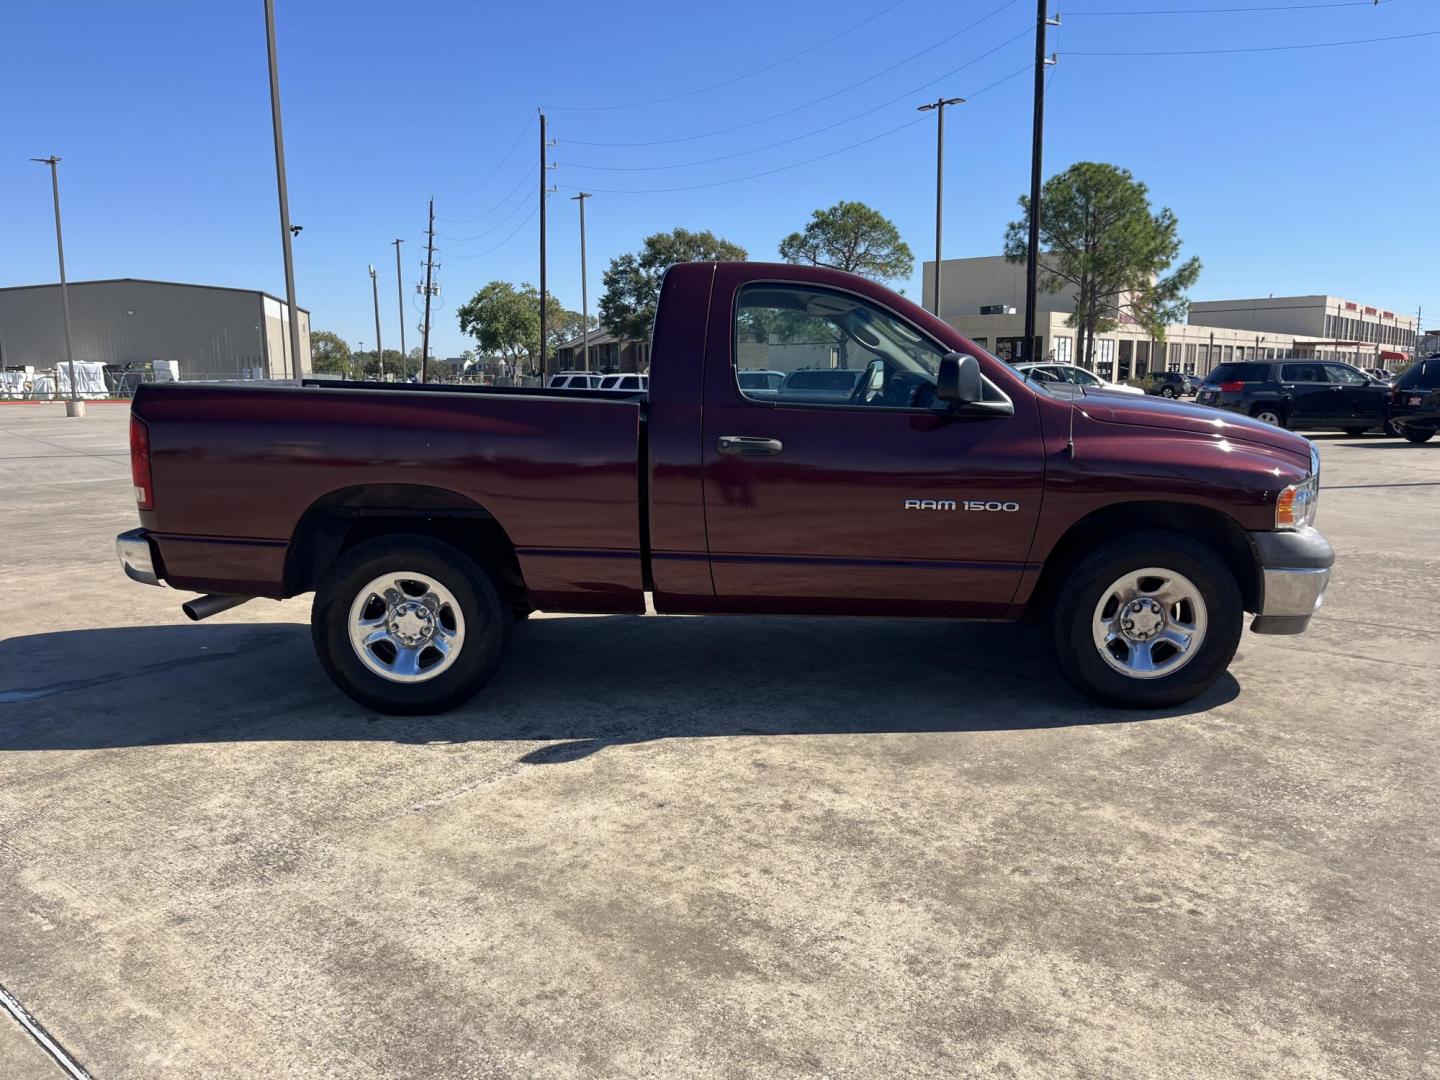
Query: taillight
point(1232, 387)
point(140, 464)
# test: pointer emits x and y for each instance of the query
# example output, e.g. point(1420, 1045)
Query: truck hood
point(1154, 412)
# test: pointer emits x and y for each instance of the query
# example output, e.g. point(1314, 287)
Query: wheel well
point(337, 522)
point(1278, 407)
point(1220, 532)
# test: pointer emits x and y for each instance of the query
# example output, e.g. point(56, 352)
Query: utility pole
point(375, 294)
point(545, 190)
point(584, 289)
point(1037, 150)
point(400, 309)
point(285, 231)
point(939, 106)
point(73, 407)
point(429, 291)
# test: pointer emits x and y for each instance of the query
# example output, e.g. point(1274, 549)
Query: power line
point(737, 78)
point(1264, 48)
point(816, 101)
point(497, 206)
point(794, 165)
point(480, 255)
point(1239, 10)
point(907, 95)
point(498, 225)
point(504, 158)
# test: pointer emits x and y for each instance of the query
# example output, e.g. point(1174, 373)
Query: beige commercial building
point(984, 298)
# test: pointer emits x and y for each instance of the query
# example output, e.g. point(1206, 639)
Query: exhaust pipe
point(202, 607)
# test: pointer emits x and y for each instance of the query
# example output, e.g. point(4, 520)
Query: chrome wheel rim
point(1149, 623)
point(406, 627)
point(1266, 416)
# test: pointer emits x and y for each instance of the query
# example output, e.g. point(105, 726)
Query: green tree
point(632, 283)
point(853, 237)
point(329, 353)
point(1099, 238)
point(505, 319)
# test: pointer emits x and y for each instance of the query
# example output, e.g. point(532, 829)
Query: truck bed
point(238, 469)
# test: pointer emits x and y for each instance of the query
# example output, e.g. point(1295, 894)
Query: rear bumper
point(138, 557)
point(1294, 570)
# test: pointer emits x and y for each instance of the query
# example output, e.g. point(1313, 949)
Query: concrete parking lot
point(669, 847)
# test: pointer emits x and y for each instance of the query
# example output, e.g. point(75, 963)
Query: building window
point(1190, 359)
point(1064, 348)
point(1105, 360)
point(1174, 362)
point(1229, 353)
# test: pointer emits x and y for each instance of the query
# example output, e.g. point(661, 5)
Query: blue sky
point(1305, 171)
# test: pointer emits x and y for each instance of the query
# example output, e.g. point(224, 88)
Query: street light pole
point(584, 288)
point(1037, 150)
point(939, 106)
point(375, 293)
point(285, 231)
point(73, 407)
point(400, 299)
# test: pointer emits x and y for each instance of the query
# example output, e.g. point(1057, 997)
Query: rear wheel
point(1146, 621)
point(1269, 414)
point(409, 625)
point(1418, 434)
point(1167, 391)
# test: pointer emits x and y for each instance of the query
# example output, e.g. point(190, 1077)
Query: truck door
point(883, 502)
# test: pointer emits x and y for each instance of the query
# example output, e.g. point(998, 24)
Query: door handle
point(749, 446)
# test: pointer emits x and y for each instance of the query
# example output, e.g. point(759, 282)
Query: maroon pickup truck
point(920, 477)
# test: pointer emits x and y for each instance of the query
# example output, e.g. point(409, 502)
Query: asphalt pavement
point(667, 847)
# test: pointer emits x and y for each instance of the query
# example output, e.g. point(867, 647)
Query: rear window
point(1240, 373)
point(1423, 376)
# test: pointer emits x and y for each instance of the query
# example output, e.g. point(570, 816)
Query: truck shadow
point(575, 683)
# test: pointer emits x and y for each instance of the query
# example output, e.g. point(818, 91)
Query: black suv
point(1415, 409)
point(1303, 395)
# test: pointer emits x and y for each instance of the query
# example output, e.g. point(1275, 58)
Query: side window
point(1082, 377)
point(1344, 374)
point(830, 348)
point(1301, 373)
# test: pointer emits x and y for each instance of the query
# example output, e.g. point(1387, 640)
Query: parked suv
point(1415, 404)
point(1303, 395)
point(1172, 384)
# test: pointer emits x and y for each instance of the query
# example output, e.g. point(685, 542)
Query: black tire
point(1261, 410)
point(1167, 392)
point(1418, 434)
point(487, 622)
point(1075, 600)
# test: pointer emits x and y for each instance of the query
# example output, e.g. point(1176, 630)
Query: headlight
point(1295, 507)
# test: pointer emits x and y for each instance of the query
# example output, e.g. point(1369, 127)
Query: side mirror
point(958, 380)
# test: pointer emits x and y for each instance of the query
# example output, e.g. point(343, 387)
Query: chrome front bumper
point(137, 557)
point(1294, 570)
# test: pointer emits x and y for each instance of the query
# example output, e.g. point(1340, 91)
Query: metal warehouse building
point(213, 332)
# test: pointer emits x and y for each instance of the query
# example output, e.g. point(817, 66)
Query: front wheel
point(1418, 435)
point(409, 625)
point(1146, 621)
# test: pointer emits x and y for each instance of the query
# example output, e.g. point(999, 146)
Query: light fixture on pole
point(584, 288)
point(400, 299)
point(939, 106)
point(285, 230)
point(73, 407)
point(375, 293)
point(1037, 150)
